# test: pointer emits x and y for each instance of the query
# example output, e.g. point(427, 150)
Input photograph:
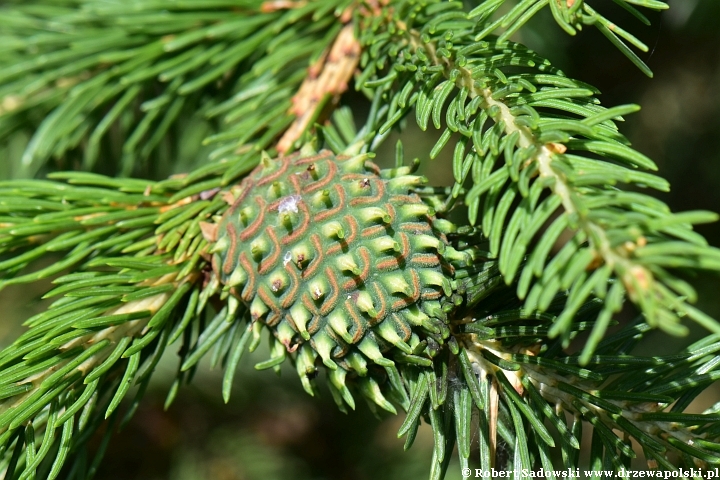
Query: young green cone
point(340, 259)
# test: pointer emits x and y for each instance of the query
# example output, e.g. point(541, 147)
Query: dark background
point(272, 430)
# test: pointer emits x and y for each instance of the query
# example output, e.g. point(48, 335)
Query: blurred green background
point(272, 430)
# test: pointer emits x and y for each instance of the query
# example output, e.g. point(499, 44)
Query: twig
point(276, 5)
point(328, 76)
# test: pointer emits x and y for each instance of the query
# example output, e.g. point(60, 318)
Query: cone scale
point(340, 259)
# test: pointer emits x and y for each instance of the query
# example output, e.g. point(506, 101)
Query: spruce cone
point(339, 259)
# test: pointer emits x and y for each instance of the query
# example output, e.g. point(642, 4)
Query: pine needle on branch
point(464, 324)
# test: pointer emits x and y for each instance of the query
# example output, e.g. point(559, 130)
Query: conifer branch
point(543, 148)
point(570, 15)
point(585, 393)
point(351, 269)
point(124, 71)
